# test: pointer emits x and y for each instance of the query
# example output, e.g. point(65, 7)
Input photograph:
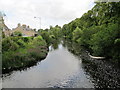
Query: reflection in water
point(54, 45)
point(60, 69)
point(72, 47)
point(104, 73)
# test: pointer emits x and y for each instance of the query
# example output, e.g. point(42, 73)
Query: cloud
point(52, 12)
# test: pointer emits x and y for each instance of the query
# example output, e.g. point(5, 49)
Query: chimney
point(28, 27)
point(19, 24)
point(24, 26)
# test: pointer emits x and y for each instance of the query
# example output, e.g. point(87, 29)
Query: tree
point(97, 30)
point(3, 35)
point(77, 34)
point(17, 33)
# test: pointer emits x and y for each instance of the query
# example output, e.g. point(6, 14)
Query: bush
point(26, 39)
point(8, 44)
point(21, 43)
point(17, 53)
point(103, 42)
point(14, 46)
point(17, 33)
point(38, 41)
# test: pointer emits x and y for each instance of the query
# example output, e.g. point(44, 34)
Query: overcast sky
point(52, 12)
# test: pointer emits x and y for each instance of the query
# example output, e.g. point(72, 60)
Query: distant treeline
point(51, 35)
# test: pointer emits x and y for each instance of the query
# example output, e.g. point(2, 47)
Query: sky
point(48, 12)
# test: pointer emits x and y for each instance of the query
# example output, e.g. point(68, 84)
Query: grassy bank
point(21, 52)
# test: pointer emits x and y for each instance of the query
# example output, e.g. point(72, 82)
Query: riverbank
point(104, 73)
point(49, 73)
point(22, 52)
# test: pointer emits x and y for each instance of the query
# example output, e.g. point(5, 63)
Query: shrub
point(21, 43)
point(22, 51)
point(17, 33)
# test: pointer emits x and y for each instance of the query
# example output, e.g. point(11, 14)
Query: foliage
point(19, 52)
point(103, 41)
point(51, 35)
point(77, 34)
point(3, 35)
point(97, 30)
point(17, 33)
point(21, 43)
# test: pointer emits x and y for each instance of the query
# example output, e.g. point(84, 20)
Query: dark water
point(60, 69)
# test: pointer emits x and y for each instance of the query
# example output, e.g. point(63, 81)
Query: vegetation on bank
point(97, 30)
point(20, 52)
point(51, 35)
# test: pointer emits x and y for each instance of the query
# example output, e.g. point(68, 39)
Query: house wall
point(25, 30)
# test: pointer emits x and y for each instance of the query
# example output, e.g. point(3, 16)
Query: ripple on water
point(60, 69)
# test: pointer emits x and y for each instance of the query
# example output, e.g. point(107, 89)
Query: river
point(60, 69)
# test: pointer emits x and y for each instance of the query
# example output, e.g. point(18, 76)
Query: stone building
point(25, 30)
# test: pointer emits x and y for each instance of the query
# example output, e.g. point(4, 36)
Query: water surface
point(60, 69)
